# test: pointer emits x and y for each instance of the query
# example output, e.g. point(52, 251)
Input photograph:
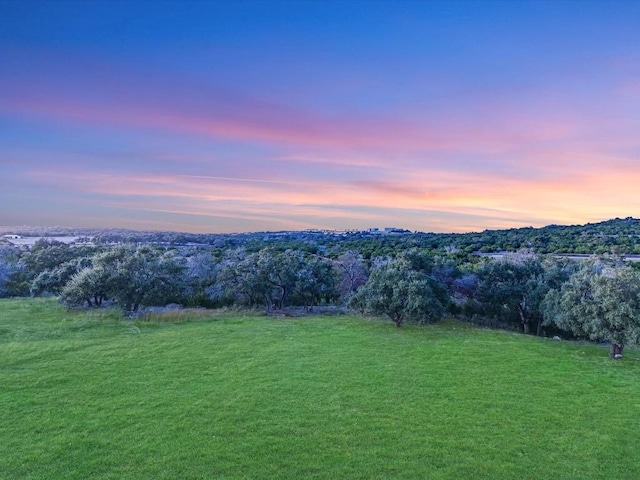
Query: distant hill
point(619, 235)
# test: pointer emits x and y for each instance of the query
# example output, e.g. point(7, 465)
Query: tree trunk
point(283, 297)
point(616, 351)
point(523, 319)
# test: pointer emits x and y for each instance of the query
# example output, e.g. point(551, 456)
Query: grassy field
point(84, 395)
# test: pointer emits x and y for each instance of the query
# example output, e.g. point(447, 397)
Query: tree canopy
point(130, 276)
point(600, 303)
point(402, 290)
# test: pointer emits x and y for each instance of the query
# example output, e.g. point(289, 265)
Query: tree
point(9, 265)
point(242, 282)
point(49, 255)
point(278, 278)
point(316, 281)
point(50, 264)
point(511, 289)
point(89, 285)
point(52, 280)
point(130, 276)
point(599, 303)
point(202, 268)
point(280, 271)
point(352, 272)
point(399, 291)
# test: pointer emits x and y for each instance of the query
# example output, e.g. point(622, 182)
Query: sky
point(243, 116)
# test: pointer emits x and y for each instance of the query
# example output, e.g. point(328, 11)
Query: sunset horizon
point(28, 230)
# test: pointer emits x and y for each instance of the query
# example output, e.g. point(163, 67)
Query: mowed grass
point(85, 395)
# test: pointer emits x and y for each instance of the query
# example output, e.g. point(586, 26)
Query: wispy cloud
point(581, 196)
point(184, 106)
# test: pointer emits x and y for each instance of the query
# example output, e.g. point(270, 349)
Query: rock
point(556, 337)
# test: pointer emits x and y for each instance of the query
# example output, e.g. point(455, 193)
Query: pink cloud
point(103, 95)
point(300, 131)
point(585, 196)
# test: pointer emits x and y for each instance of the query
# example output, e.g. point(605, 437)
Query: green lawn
point(87, 396)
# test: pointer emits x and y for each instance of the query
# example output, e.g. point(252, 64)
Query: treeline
point(132, 275)
point(616, 236)
point(596, 299)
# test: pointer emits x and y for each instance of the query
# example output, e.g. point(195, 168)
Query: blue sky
point(242, 116)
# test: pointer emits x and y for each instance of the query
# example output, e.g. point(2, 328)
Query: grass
point(85, 395)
